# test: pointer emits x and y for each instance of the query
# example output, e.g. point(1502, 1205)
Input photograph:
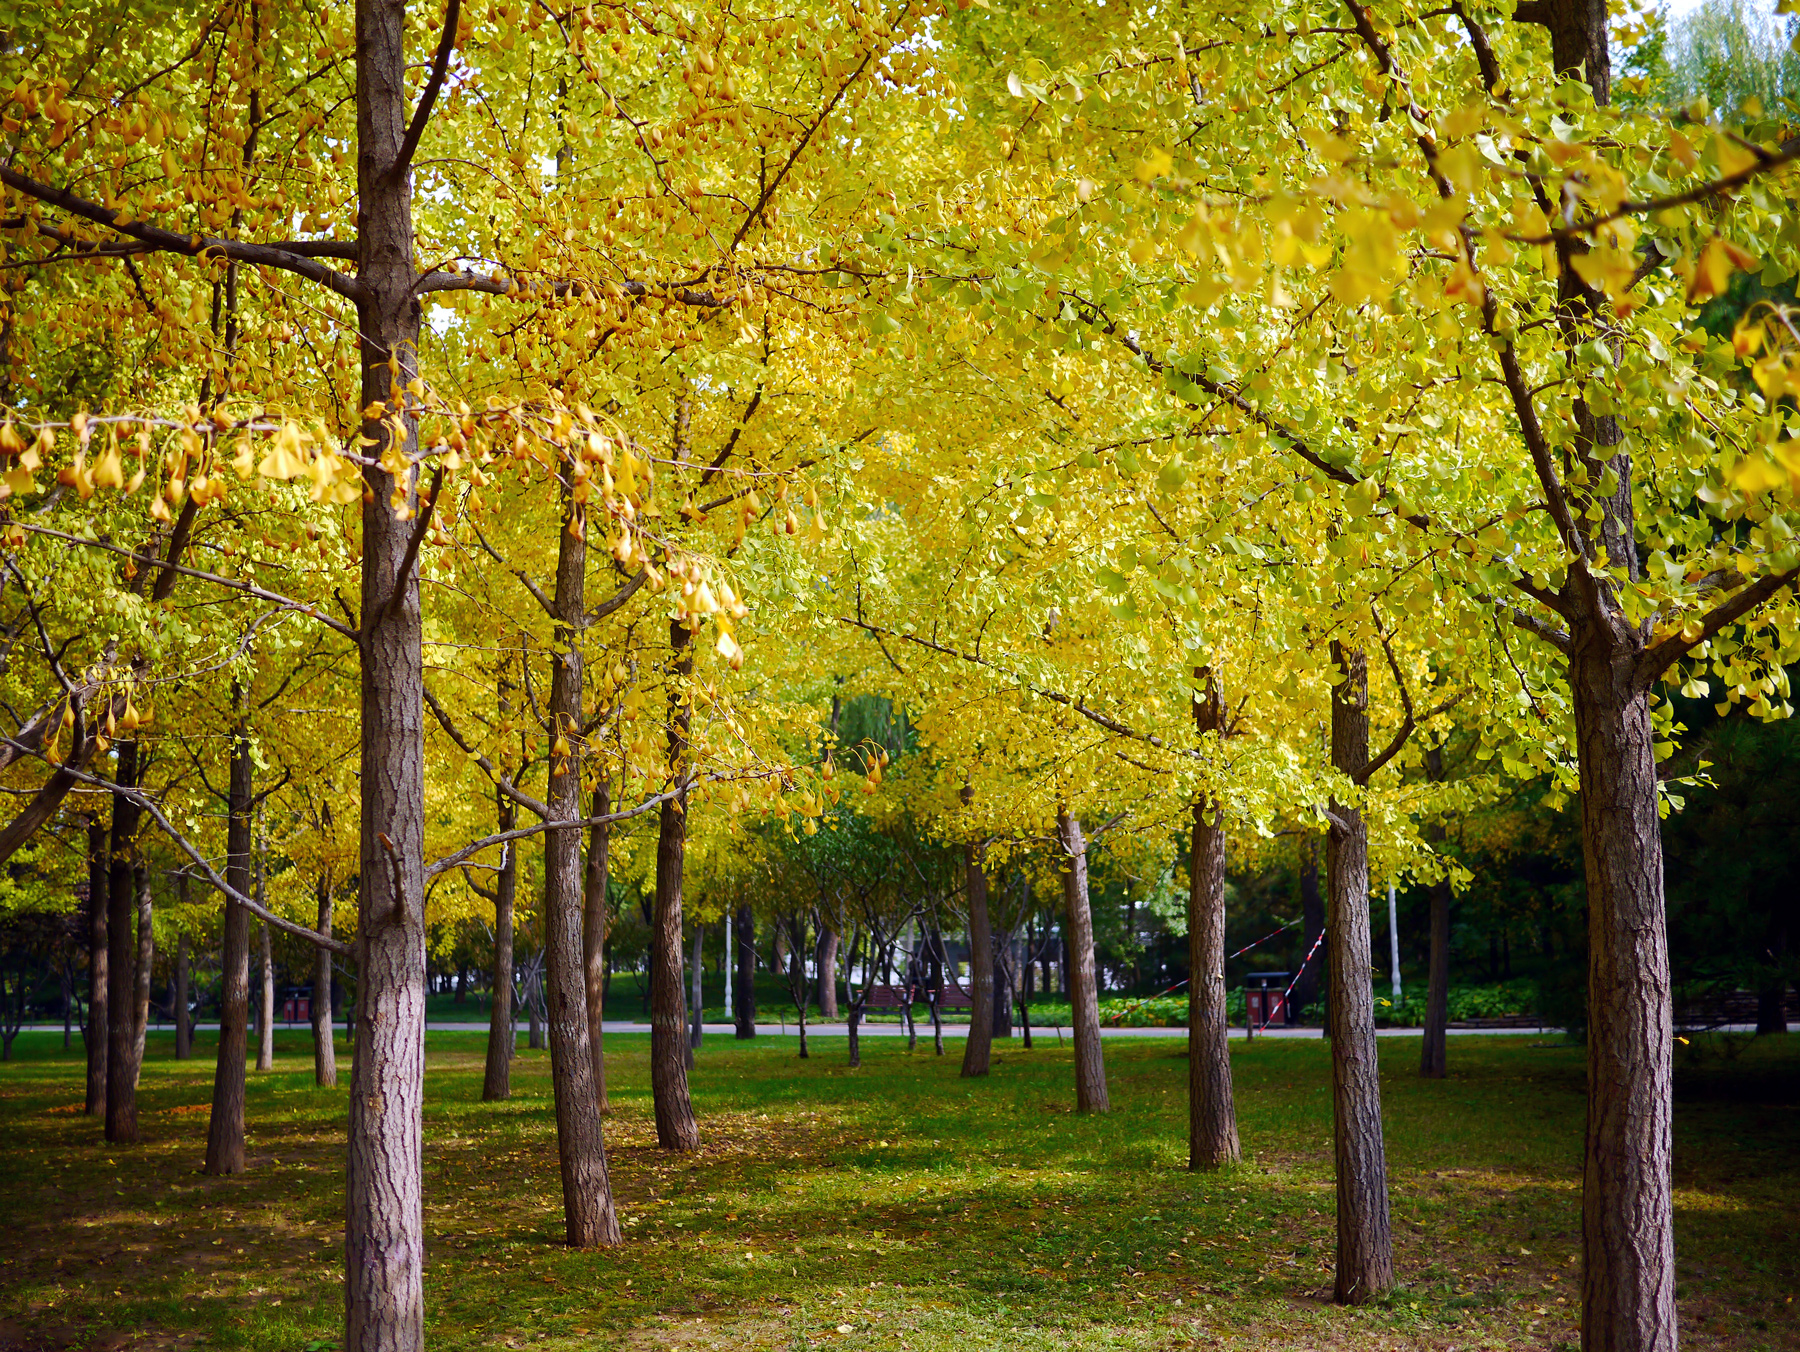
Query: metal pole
point(1394, 941)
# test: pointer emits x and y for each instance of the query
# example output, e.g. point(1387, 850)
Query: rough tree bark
point(593, 933)
point(324, 1049)
point(384, 1247)
point(978, 1050)
point(744, 994)
point(675, 1125)
point(1628, 1243)
point(588, 1214)
point(121, 963)
point(99, 1025)
point(1365, 1245)
point(1212, 1112)
point(1627, 1204)
point(496, 1081)
point(1084, 991)
point(225, 1127)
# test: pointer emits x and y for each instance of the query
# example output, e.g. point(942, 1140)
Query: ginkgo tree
point(1453, 198)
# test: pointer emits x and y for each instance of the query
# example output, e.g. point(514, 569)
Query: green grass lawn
point(895, 1206)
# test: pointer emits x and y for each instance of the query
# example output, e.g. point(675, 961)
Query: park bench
point(952, 997)
point(896, 998)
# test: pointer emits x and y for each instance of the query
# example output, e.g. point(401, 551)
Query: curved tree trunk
point(744, 995)
point(1365, 1245)
point(324, 1049)
point(979, 1048)
point(1627, 1206)
point(99, 1026)
point(1084, 990)
point(225, 1127)
point(496, 1080)
point(121, 958)
point(675, 1125)
point(588, 1215)
point(593, 933)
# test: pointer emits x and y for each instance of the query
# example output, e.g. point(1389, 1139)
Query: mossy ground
point(895, 1206)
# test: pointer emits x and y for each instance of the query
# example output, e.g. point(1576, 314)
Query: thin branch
point(427, 504)
point(1657, 658)
point(501, 782)
point(167, 241)
point(235, 584)
point(422, 114)
point(181, 842)
point(617, 599)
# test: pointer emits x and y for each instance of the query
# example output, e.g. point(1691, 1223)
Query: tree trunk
point(675, 1125)
point(1212, 1112)
point(496, 1081)
point(744, 1010)
point(695, 1027)
point(121, 958)
point(184, 1031)
point(225, 1128)
point(1003, 985)
point(99, 1027)
point(588, 1215)
point(1084, 993)
point(324, 1049)
point(593, 932)
point(1628, 1242)
point(265, 1017)
point(979, 1047)
point(384, 1250)
point(826, 964)
point(146, 959)
point(1365, 1245)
